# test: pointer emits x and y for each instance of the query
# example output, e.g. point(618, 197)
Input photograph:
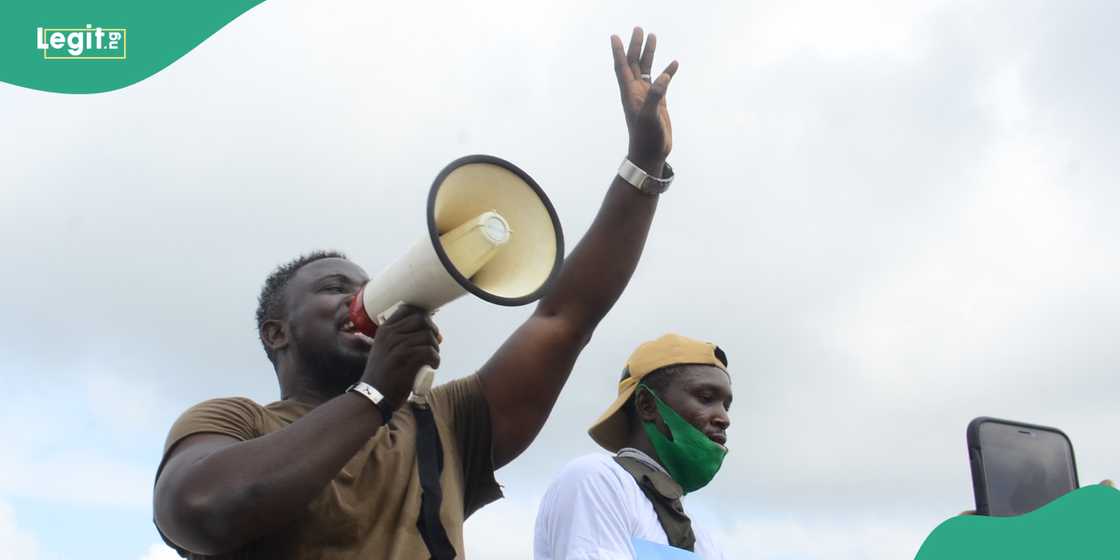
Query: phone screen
point(1024, 468)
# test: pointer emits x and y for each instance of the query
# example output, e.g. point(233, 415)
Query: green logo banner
point(75, 46)
point(1083, 524)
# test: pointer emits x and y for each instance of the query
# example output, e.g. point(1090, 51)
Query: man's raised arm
point(523, 379)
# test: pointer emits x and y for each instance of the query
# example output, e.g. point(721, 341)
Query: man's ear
point(645, 405)
point(274, 334)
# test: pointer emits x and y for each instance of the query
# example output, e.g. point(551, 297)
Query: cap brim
point(609, 431)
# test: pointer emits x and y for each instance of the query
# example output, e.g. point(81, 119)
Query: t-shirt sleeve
point(236, 417)
point(584, 515)
point(468, 413)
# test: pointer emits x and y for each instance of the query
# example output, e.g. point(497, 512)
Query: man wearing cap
point(667, 431)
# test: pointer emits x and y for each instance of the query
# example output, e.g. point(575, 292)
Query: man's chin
point(343, 366)
point(351, 360)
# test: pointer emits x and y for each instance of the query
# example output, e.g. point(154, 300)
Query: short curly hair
point(270, 302)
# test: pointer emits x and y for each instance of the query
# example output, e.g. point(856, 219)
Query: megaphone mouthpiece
point(475, 242)
point(495, 227)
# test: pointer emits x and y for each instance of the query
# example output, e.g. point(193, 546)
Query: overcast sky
point(893, 217)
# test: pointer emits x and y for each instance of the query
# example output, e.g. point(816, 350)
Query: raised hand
point(643, 100)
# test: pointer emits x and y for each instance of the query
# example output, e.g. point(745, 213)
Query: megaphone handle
point(384, 315)
point(422, 386)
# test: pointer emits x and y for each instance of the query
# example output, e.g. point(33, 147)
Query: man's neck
point(301, 383)
point(638, 440)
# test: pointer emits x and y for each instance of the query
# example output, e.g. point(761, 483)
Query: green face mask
point(691, 458)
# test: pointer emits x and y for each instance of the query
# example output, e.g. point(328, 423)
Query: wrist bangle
point(368, 391)
point(645, 183)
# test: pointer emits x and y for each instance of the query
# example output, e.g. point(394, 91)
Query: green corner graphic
point(74, 46)
point(1082, 525)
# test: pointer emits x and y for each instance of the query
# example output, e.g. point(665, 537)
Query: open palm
point(643, 100)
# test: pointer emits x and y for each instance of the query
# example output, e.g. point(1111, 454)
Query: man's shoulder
point(592, 507)
point(593, 468)
point(465, 387)
point(461, 401)
point(591, 462)
point(225, 405)
point(238, 417)
point(232, 401)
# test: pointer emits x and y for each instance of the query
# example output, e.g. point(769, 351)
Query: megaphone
point(491, 232)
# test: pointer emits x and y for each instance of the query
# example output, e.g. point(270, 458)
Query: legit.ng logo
point(89, 43)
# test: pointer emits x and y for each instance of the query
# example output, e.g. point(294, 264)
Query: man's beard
point(331, 365)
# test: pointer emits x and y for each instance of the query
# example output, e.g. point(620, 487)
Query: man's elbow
point(568, 327)
point(574, 323)
point(197, 521)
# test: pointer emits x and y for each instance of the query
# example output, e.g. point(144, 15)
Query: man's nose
point(722, 420)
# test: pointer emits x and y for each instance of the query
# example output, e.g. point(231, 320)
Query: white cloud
point(16, 541)
point(69, 456)
point(85, 477)
point(127, 404)
point(837, 31)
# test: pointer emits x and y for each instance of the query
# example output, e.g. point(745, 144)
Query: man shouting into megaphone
point(330, 472)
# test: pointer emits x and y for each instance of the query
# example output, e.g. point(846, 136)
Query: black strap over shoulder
point(429, 462)
point(665, 495)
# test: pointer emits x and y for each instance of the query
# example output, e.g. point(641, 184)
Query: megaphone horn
point(491, 232)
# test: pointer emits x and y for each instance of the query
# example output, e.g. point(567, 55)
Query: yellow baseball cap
point(610, 429)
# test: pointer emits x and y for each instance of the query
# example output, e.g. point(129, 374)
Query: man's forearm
point(599, 268)
point(214, 500)
point(523, 379)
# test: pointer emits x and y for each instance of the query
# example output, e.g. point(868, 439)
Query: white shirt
point(592, 510)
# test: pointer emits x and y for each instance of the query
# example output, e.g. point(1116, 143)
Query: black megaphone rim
point(443, 258)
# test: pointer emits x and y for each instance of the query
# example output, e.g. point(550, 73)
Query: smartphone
point(1018, 467)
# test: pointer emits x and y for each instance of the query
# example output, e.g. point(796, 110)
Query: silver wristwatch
point(366, 390)
point(644, 182)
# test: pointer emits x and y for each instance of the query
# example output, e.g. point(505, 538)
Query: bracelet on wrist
point(374, 396)
point(642, 180)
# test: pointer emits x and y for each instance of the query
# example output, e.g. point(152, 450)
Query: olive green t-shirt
point(369, 510)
